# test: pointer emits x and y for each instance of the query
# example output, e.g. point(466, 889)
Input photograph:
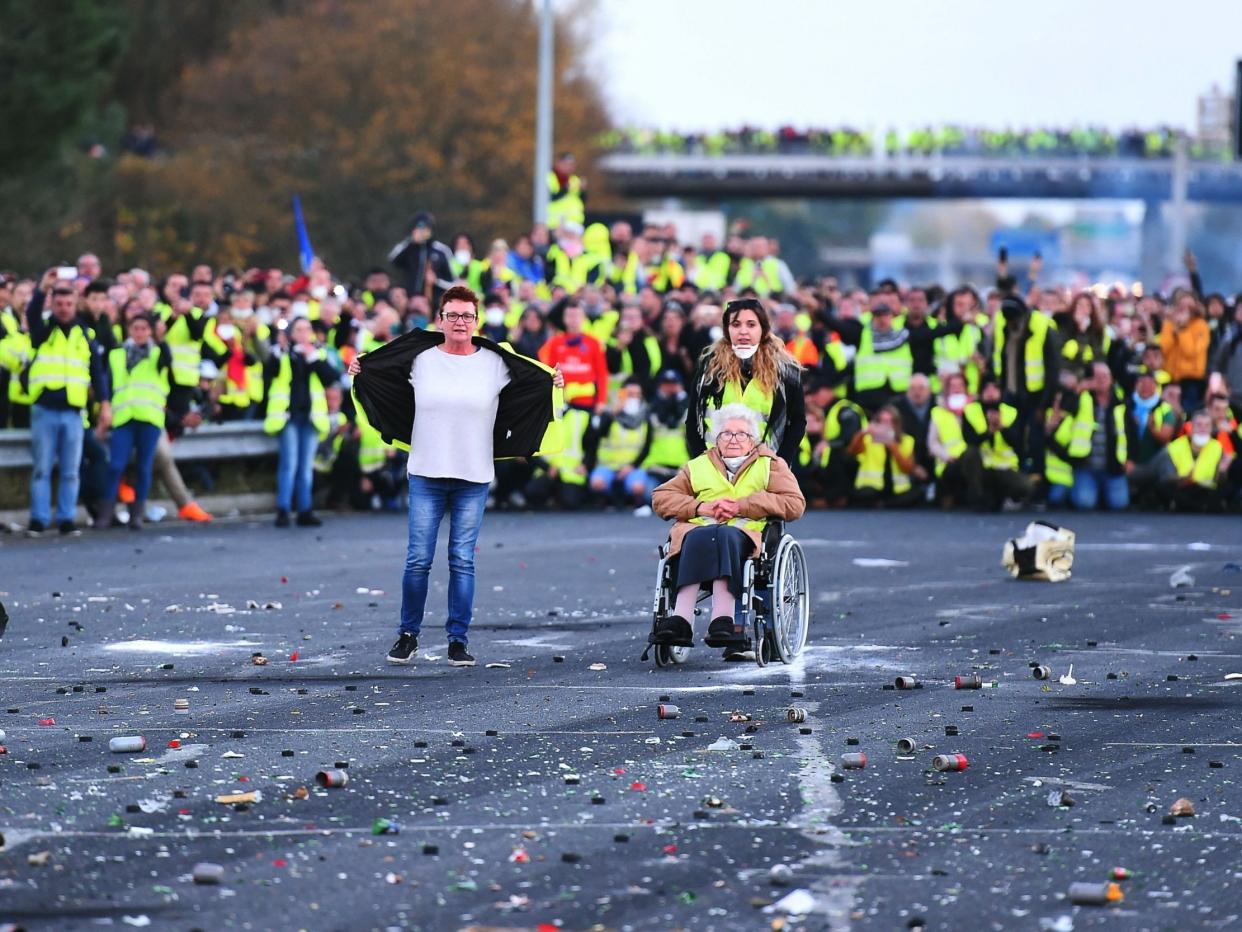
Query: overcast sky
point(698, 64)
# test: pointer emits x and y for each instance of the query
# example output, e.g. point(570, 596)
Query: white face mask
point(1200, 440)
point(299, 309)
point(319, 292)
point(733, 462)
point(243, 312)
point(745, 352)
point(462, 256)
point(225, 331)
point(716, 333)
point(494, 316)
point(632, 406)
point(957, 401)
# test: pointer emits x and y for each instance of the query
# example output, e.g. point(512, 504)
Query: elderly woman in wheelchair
point(729, 505)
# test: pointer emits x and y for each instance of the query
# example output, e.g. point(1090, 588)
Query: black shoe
point(405, 648)
point(66, 527)
point(308, 519)
point(720, 632)
point(282, 518)
point(674, 631)
point(738, 652)
point(135, 520)
point(459, 656)
point(36, 527)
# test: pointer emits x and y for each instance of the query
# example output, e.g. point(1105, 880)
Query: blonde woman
point(749, 366)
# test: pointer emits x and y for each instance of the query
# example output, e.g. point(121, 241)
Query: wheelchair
point(774, 608)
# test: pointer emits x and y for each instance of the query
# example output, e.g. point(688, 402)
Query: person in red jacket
point(581, 359)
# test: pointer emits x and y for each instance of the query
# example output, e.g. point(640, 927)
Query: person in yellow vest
point(712, 265)
point(140, 369)
point(185, 323)
point(1026, 359)
point(375, 461)
point(1098, 447)
point(990, 466)
point(617, 444)
point(959, 344)
point(224, 345)
point(15, 355)
point(749, 364)
point(633, 350)
point(566, 192)
point(66, 368)
point(497, 271)
point(945, 440)
point(336, 456)
point(886, 463)
point(1151, 423)
point(560, 478)
point(883, 361)
point(834, 470)
point(297, 412)
point(1061, 422)
point(1084, 335)
point(721, 501)
point(669, 407)
point(1191, 470)
point(568, 265)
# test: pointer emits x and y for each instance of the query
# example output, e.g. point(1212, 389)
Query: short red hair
point(459, 293)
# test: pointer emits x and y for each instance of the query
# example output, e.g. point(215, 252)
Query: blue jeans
point(1058, 495)
point(1090, 485)
point(133, 435)
point(296, 470)
point(429, 499)
point(56, 440)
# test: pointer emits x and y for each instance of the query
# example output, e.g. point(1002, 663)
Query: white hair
point(717, 419)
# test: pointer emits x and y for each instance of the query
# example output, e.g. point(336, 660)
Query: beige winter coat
point(782, 499)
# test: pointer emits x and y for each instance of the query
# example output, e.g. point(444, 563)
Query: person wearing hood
point(458, 402)
point(669, 405)
point(748, 365)
point(140, 369)
point(616, 445)
point(1026, 360)
point(722, 500)
point(426, 263)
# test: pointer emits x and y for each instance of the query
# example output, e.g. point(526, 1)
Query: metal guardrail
point(237, 440)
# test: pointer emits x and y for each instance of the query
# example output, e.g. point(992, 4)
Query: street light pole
point(543, 113)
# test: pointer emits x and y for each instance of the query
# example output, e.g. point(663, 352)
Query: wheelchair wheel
point(791, 599)
point(760, 642)
point(666, 656)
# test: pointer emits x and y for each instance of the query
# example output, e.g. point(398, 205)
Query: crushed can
point(1041, 672)
point(664, 710)
point(949, 762)
point(795, 714)
point(853, 761)
point(906, 745)
point(1095, 894)
point(332, 778)
point(906, 682)
point(130, 744)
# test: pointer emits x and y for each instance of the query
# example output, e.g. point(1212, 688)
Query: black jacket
point(414, 260)
point(382, 389)
point(786, 424)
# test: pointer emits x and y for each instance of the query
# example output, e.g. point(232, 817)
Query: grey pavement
point(548, 794)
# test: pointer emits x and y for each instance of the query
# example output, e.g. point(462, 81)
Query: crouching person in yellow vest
point(375, 461)
point(721, 501)
point(887, 470)
point(945, 440)
point(560, 479)
point(1190, 471)
point(616, 446)
point(140, 370)
point(336, 456)
point(297, 412)
point(1097, 448)
point(990, 464)
point(669, 409)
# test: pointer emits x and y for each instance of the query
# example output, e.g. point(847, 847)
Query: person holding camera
point(889, 475)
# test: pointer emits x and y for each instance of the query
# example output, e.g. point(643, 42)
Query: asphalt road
point(549, 793)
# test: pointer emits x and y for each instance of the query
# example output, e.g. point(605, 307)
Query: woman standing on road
point(750, 366)
point(475, 402)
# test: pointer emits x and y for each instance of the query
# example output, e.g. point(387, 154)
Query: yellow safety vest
point(62, 362)
point(15, 354)
point(874, 459)
point(959, 349)
point(233, 395)
point(832, 425)
point(996, 452)
point(280, 394)
point(1202, 468)
point(1033, 353)
point(875, 370)
point(187, 352)
point(328, 450)
point(710, 484)
point(1056, 470)
point(621, 445)
point(949, 430)
point(140, 393)
point(573, 426)
point(668, 447)
point(565, 205)
point(372, 451)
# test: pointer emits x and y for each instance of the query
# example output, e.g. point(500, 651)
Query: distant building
point(1215, 120)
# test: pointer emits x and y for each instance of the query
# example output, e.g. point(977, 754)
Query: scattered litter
point(1060, 799)
point(598, 666)
point(1067, 679)
point(332, 778)
point(1095, 894)
point(720, 744)
point(1063, 923)
point(878, 562)
point(906, 682)
point(232, 799)
point(1041, 672)
point(1181, 578)
point(1182, 808)
point(667, 711)
point(906, 745)
point(208, 873)
point(1043, 552)
point(853, 761)
point(38, 858)
point(795, 714)
point(949, 762)
point(127, 745)
point(259, 660)
point(497, 665)
point(1233, 676)
point(797, 903)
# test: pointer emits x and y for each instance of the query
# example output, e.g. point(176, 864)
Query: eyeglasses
point(733, 435)
point(453, 317)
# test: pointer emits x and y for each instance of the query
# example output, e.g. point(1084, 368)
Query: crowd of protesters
point(948, 140)
point(1023, 393)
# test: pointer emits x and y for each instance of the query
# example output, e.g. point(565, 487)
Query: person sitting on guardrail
point(721, 501)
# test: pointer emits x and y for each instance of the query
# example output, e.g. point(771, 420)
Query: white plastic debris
point(723, 744)
point(1181, 578)
point(1067, 679)
point(797, 903)
point(1044, 551)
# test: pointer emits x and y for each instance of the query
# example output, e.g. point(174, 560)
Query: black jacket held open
point(525, 420)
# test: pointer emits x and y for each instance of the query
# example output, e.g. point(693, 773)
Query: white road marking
point(180, 648)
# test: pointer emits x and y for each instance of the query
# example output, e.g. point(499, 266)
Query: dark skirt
point(714, 551)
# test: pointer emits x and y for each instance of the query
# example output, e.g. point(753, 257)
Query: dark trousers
point(986, 489)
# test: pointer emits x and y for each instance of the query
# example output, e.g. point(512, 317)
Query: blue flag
point(305, 252)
